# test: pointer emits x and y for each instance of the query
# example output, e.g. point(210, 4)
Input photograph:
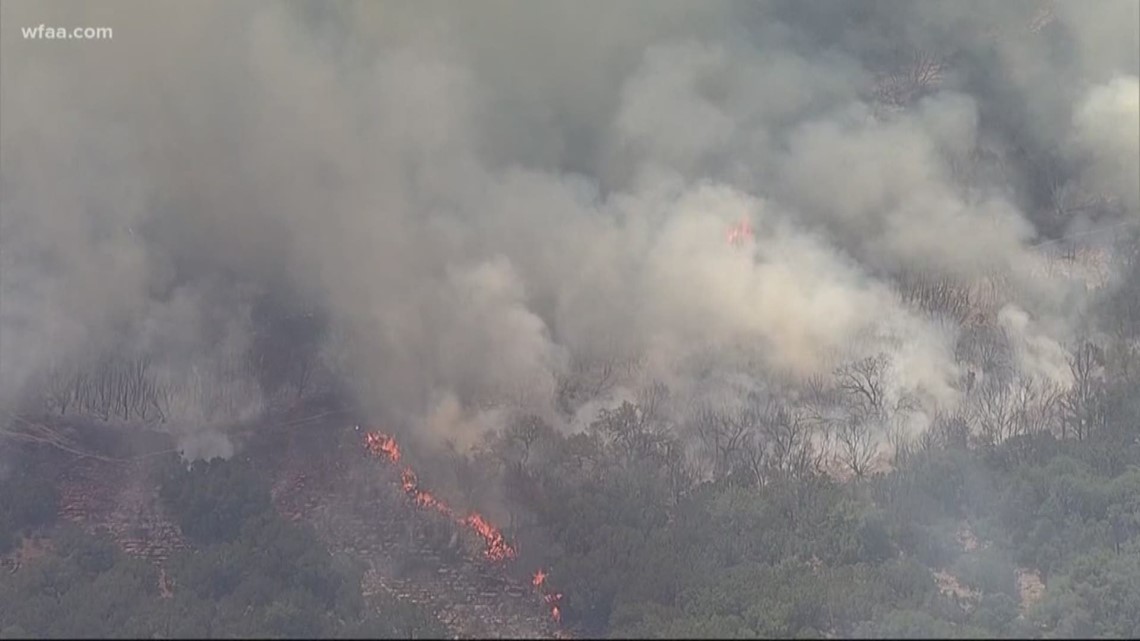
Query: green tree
point(1094, 596)
point(213, 499)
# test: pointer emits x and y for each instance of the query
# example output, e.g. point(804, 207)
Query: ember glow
point(384, 447)
point(552, 599)
point(740, 232)
point(408, 480)
point(421, 498)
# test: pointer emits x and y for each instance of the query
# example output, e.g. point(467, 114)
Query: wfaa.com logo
point(44, 32)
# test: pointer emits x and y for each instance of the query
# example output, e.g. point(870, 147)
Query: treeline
point(250, 574)
point(280, 366)
point(28, 500)
point(1017, 515)
point(126, 388)
point(937, 547)
point(854, 418)
point(117, 387)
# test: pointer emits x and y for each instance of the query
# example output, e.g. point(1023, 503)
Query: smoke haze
point(476, 200)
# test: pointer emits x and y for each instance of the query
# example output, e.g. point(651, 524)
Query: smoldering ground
point(477, 200)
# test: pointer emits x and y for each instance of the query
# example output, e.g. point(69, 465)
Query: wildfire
point(552, 599)
point(421, 498)
point(408, 480)
point(384, 446)
point(497, 547)
point(555, 611)
point(739, 232)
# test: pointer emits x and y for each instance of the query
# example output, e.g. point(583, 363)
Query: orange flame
point(408, 480)
point(497, 547)
point(551, 599)
point(380, 444)
point(383, 446)
point(423, 499)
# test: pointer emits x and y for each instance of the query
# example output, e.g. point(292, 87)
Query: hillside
point(373, 525)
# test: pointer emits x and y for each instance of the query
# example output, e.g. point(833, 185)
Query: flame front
point(421, 498)
point(408, 480)
point(384, 446)
point(497, 547)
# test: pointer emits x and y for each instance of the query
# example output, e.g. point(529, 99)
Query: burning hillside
point(385, 447)
point(497, 549)
point(551, 599)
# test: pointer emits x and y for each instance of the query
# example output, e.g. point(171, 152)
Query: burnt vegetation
point(805, 513)
point(919, 434)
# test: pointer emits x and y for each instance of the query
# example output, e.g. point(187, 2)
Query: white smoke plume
point(1106, 125)
point(480, 198)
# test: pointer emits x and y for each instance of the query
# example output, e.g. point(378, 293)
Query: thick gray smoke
point(483, 198)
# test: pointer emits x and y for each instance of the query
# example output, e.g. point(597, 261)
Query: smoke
point(204, 444)
point(481, 198)
point(1106, 128)
point(1038, 355)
